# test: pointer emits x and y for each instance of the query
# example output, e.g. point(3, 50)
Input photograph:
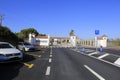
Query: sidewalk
point(115, 48)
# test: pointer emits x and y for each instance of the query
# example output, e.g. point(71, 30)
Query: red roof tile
point(42, 37)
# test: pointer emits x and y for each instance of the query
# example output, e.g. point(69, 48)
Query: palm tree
point(71, 32)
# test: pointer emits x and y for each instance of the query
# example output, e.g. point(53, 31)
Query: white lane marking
point(50, 55)
point(48, 71)
point(104, 61)
point(50, 60)
point(96, 74)
point(117, 61)
point(92, 53)
point(104, 55)
point(89, 51)
point(51, 50)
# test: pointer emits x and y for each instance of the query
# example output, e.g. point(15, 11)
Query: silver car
point(8, 53)
point(25, 46)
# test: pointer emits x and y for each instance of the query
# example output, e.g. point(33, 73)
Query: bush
point(7, 36)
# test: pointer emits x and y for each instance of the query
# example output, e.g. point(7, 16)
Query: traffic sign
point(97, 32)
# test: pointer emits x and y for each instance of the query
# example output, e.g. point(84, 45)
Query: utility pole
point(97, 32)
point(1, 19)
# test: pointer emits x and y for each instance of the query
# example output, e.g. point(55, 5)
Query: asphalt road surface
point(59, 64)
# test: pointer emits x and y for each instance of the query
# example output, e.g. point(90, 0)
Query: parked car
point(8, 53)
point(25, 46)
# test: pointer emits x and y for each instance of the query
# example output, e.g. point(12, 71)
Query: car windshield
point(5, 46)
point(27, 44)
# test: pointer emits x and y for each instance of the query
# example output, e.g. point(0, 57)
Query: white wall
point(73, 41)
point(31, 39)
point(39, 41)
point(42, 42)
point(103, 42)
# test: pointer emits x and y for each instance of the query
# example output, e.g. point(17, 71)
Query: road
point(59, 64)
point(70, 65)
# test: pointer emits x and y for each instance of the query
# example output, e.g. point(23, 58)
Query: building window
point(37, 40)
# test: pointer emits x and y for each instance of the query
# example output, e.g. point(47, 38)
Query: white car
point(25, 46)
point(9, 53)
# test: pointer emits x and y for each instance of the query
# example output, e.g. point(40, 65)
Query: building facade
point(102, 41)
point(73, 40)
point(39, 40)
point(56, 41)
point(96, 42)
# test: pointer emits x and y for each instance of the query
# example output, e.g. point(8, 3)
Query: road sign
point(97, 32)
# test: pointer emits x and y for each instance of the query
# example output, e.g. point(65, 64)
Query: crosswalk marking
point(95, 73)
point(104, 55)
point(117, 61)
point(92, 53)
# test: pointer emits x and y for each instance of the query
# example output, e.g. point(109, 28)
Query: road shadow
point(8, 71)
point(27, 57)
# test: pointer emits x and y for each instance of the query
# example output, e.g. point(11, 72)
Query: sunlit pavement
point(61, 64)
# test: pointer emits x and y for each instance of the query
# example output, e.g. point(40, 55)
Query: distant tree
point(71, 32)
point(6, 35)
point(25, 32)
point(41, 34)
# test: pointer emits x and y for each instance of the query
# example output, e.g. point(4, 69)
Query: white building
point(102, 41)
point(45, 40)
point(39, 40)
point(73, 40)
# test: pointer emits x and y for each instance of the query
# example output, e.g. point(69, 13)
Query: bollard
point(83, 50)
point(101, 49)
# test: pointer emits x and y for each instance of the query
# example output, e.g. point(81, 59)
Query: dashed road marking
point(50, 60)
point(48, 71)
point(50, 55)
point(93, 72)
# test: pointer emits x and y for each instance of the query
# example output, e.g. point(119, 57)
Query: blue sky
point(58, 17)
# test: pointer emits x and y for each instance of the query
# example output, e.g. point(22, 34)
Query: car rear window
point(5, 46)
